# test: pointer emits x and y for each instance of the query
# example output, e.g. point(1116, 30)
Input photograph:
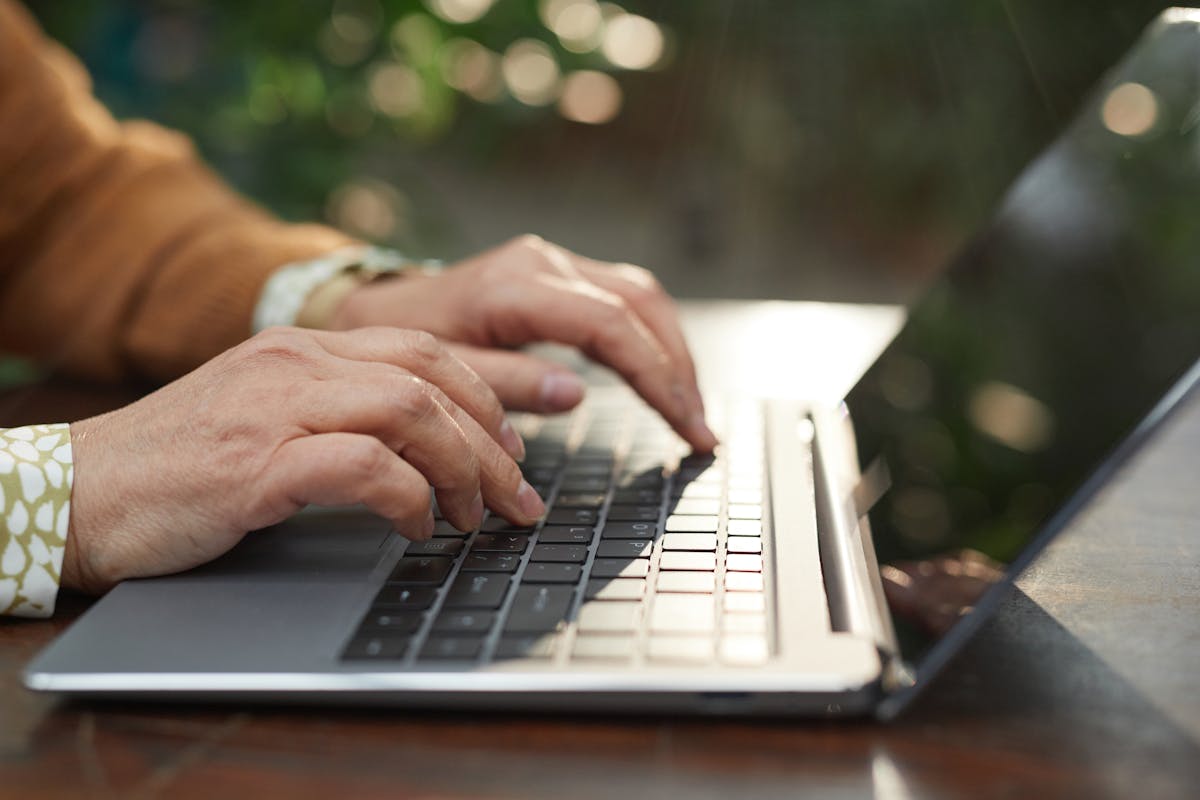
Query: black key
point(637, 497)
point(643, 480)
point(377, 622)
point(409, 598)
point(464, 622)
point(588, 469)
point(528, 646)
point(480, 590)
point(620, 567)
point(451, 648)
point(585, 483)
point(590, 452)
point(421, 569)
point(603, 647)
point(541, 452)
point(542, 489)
point(382, 646)
point(501, 525)
point(633, 513)
point(710, 474)
point(499, 543)
point(629, 530)
point(624, 548)
point(539, 608)
point(567, 553)
point(711, 491)
point(552, 573)
point(445, 529)
point(616, 589)
point(491, 562)
point(435, 547)
point(540, 474)
point(566, 534)
point(571, 516)
point(592, 500)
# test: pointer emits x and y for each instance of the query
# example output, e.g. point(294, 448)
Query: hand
point(935, 592)
point(530, 290)
point(288, 418)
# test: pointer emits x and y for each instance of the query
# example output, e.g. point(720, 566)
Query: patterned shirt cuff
point(35, 501)
point(287, 290)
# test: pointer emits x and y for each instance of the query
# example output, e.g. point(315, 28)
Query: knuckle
point(365, 458)
point(412, 397)
point(423, 347)
point(277, 344)
point(527, 241)
point(643, 281)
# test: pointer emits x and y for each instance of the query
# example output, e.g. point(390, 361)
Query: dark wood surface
point(1086, 684)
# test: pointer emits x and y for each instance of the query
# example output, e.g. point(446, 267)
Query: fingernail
point(427, 528)
point(510, 440)
point(560, 391)
point(528, 501)
point(477, 510)
point(700, 434)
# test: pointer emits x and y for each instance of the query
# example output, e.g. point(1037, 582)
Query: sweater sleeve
point(120, 254)
point(35, 512)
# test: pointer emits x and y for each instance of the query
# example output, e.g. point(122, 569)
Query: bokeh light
point(530, 72)
point(578, 24)
point(590, 97)
point(632, 41)
point(460, 11)
point(367, 207)
point(395, 90)
point(1130, 109)
point(416, 39)
point(1011, 416)
point(472, 69)
point(349, 35)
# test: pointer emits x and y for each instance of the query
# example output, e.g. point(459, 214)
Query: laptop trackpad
point(317, 544)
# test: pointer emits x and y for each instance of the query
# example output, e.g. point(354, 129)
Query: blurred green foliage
point(881, 123)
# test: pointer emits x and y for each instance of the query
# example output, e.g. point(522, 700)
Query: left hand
point(529, 290)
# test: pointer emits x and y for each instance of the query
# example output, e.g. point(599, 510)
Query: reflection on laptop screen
point(1051, 338)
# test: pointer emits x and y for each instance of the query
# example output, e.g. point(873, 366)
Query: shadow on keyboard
point(646, 554)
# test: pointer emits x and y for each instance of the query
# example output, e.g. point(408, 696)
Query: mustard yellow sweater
point(120, 254)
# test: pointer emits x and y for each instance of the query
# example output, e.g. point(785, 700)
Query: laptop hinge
point(844, 495)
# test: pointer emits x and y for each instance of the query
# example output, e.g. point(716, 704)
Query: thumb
point(523, 382)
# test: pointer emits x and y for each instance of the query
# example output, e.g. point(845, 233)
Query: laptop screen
point(1051, 337)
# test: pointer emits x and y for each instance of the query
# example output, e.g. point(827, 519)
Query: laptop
point(828, 560)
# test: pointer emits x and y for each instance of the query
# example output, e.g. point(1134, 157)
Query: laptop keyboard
point(646, 554)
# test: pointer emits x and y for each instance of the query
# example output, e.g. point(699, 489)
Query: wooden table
point(1086, 684)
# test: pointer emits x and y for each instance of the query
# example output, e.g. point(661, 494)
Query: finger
point(421, 354)
point(523, 382)
point(410, 416)
point(333, 469)
point(455, 448)
point(602, 325)
point(645, 296)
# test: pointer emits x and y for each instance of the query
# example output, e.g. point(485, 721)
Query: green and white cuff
point(287, 290)
point(36, 473)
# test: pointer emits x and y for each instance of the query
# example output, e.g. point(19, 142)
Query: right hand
point(290, 417)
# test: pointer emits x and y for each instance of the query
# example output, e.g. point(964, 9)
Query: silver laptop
point(828, 560)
